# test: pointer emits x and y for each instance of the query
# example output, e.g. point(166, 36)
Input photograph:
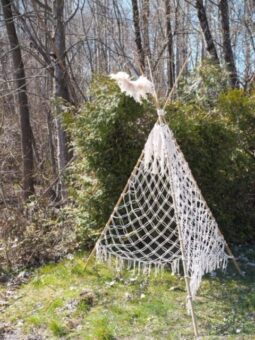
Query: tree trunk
point(146, 36)
point(177, 37)
point(227, 48)
point(138, 38)
point(51, 142)
point(49, 90)
point(206, 30)
point(61, 87)
point(20, 78)
point(169, 35)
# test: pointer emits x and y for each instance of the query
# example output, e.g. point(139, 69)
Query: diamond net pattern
point(162, 205)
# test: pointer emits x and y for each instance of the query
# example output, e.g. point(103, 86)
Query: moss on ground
point(65, 301)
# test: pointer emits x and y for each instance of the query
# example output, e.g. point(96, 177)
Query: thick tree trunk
point(177, 37)
point(146, 36)
point(211, 48)
point(169, 34)
point(51, 142)
point(49, 89)
point(19, 75)
point(61, 87)
point(138, 38)
point(227, 48)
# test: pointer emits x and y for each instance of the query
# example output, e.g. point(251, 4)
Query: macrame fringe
point(137, 267)
point(203, 266)
point(175, 266)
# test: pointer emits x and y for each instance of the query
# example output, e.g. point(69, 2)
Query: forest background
point(69, 138)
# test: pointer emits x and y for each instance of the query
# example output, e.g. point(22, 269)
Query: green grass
point(65, 301)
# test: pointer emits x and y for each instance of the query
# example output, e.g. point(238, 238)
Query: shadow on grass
point(226, 304)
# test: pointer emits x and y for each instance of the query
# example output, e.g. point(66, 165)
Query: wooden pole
point(187, 279)
point(154, 89)
point(184, 260)
point(233, 258)
point(162, 120)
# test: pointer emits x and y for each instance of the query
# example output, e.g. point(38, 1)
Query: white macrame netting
point(161, 205)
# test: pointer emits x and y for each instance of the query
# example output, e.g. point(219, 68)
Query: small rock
point(133, 279)
point(19, 323)
point(4, 278)
point(174, 288)
point(23, 275)
point(10, 293)
point(243, 258)
point(252, 315)
point(5, 328)
point(69, 257)
point(73, 323)
point(88, 297)
point(128, 296)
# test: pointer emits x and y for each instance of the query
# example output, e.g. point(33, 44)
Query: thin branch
point(177, 80)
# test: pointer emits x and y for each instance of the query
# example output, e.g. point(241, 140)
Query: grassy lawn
point(65, 301)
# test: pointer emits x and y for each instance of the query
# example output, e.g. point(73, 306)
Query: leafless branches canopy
point(56, 47)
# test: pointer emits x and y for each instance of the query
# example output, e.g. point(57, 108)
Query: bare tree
point(138, 37)
point(170, 47)
point(201, 12)
point(61, 88)
point(145, 19)
point(20, 78)
point(66, 42)
point(227, 48)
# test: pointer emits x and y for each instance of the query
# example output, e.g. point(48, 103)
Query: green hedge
point(218, 148)
point(109, 133)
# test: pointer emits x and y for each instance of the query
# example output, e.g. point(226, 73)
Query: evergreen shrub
point(109, 133)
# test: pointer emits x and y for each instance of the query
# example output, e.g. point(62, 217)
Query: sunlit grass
point(65, 301)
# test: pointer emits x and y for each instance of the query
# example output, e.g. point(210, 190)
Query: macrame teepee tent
point(162, 219)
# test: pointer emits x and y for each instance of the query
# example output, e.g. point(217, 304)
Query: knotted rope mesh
point(160, 206)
